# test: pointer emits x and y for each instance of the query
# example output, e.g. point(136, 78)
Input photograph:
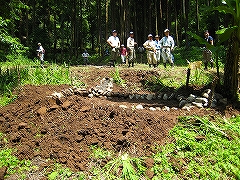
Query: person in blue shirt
point(167, 46)
point(207, 54)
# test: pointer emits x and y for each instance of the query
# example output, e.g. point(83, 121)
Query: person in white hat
point(149, 45)
point(40, 53)
point(114, 42)
point(167, 45)
point(130, 46)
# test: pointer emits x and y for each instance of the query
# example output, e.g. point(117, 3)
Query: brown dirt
point(38, 126)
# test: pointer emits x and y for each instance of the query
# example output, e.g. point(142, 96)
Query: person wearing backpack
point(40, 53)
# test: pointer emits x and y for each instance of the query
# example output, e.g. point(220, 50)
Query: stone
point(158, 108)
point(57, 95)
point(66, 105)
point(70, 89)
point(160, 95)
point(90, 95)
point(186, 108)
point(131, 96)
point(137, 96)
point(67, 92)
point(108, 94)
point(180, 97)
point(182, 103)
point(149, 97)
point(199, 105)
point(223, 101)
point(165, 97)
point(191, 98)
point(143, 96)
point(123, 106)
point(139, 107)
point(41, 111)
point(171, 96)
point(166, 108)
point(201, 100)
point(208, 91)
point(152, 109)
point(206, 95)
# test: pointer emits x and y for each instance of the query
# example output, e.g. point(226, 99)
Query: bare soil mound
point(64, 130)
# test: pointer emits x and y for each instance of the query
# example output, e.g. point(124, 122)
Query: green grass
point(13, 76)
point(216, 156)
point(116, 77)
point(13, 164)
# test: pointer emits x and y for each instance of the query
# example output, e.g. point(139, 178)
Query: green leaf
point(53, 175)
point(225, 33)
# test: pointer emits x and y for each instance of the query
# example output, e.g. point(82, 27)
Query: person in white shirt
point(158, 48)
point(40, 53)
point(114, 42)
point(149, 45)
point(85, 56)
point(130, 46)
point(167, 45)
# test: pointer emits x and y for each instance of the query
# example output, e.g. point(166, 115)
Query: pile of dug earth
point(62, 122)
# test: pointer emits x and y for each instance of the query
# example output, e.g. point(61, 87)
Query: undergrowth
point(13, 77)
point(117, 78)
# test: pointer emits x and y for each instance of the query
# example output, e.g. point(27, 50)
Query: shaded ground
point(39, 126)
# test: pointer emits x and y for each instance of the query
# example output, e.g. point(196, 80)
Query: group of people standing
point(155, 49)
point(128, 54)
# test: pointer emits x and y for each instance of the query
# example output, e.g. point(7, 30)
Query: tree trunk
point(231, 68)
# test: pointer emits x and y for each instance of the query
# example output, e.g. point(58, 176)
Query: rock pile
point(105, 89)
point(201, 101)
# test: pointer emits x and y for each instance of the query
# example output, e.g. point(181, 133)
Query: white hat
point(166, 30)
point(150, 35)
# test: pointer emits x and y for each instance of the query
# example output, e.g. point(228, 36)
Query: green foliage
point(59, 172)
point(23, 71)
point(12, 163)
point(53, 74)
point(215, 156)
point(116, 77)
point(99, 153)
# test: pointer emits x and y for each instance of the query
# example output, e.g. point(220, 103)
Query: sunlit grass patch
point(203, 149)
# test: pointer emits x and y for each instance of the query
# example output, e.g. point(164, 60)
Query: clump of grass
point(13, 164)
point(10, 78)
point(116, 77)
point(203, 149)
point(53, 74)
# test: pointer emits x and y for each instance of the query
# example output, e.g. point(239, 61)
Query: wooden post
point(188, 77)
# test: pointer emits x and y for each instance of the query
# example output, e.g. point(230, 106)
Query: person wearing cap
point(149, 45)
point(123, 52)
point(40, 53)
point(207, 54)
point(167, 45)
point(158, 48)
point(114, 42)
point(131, 50)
